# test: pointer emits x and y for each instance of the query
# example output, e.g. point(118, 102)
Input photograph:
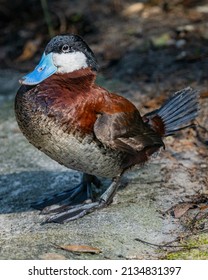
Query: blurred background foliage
point(152, 42)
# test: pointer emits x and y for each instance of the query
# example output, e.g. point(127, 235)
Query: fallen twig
point(167, 245)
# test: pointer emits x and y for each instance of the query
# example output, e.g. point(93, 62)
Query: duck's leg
point(69, 213)
point(76, 195)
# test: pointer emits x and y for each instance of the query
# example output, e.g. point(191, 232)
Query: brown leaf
point(79, 248)
point(181, 209)
point(204, 94)
point(203, 207)
point(29, 50)
point(133, 9)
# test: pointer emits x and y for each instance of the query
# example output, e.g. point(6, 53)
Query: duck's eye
point(65, 48)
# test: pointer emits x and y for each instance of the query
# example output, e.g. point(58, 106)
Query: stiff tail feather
point(176, 113)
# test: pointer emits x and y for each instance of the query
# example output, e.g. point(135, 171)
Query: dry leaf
point(80, 248)
point(29, 50)
point(204, 94)
point(133, 9)
point(181, 209)
point(203, 207)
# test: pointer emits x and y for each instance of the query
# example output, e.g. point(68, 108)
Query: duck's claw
point(70, 213)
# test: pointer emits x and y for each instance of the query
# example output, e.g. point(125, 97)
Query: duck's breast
point(64, 132)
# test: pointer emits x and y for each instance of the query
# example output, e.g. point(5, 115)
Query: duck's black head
point(63, 54)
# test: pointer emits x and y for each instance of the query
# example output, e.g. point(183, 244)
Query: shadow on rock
point(19, 190)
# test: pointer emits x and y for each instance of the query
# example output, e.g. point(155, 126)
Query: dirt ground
point(146, 50)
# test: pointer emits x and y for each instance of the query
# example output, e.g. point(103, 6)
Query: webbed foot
point(68, 213)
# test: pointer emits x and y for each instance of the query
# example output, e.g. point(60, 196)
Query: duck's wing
point(120, 126)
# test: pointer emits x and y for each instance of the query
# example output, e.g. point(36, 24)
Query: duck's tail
point(176, 113)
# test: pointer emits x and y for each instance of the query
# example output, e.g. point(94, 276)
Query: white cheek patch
point(69, 62)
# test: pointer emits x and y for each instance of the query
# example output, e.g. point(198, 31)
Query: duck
point(63, 112)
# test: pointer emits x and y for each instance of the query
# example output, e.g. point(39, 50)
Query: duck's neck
point(83, 78)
